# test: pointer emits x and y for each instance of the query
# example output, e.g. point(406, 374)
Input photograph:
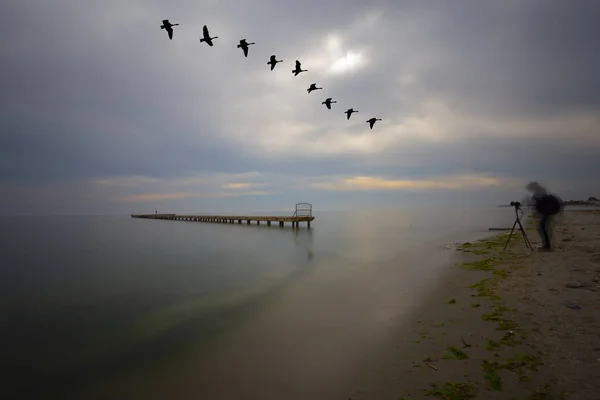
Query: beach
point(383, 312)
point(505, 325)
point(115, 307)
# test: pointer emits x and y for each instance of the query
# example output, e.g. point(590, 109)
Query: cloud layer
point(100, 112)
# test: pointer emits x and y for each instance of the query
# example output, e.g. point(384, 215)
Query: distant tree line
point(591, 201)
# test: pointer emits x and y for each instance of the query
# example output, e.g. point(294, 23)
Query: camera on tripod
point(517, 206)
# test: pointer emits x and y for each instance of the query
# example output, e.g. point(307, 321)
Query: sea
point(116, 307)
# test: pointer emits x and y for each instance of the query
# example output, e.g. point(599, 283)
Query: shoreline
point(355, 326)
point(504, 326)
point(312, 339)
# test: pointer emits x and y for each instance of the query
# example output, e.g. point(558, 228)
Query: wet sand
point(529, 328)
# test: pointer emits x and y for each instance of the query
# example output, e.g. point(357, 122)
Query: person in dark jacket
point(546, 205)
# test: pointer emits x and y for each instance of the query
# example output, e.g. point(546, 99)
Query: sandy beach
point(491, 325)
point(507, 325)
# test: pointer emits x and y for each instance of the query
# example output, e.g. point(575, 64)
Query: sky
point(102, 114)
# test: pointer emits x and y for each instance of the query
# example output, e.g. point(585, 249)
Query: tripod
point(518, 221)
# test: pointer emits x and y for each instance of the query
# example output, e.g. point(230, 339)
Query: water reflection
point(304, 238)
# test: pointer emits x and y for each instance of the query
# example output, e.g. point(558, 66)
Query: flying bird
point(349, 112)
point(206, 37)
point(274, 62)
point(371, 121)
point(297, 70)
point(244, 46)
point(313, 86)
point(328, 102)
point(166, 25)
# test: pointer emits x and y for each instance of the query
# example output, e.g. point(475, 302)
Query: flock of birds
point(244, 45)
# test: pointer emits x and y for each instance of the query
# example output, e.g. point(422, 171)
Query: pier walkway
point(303, 213)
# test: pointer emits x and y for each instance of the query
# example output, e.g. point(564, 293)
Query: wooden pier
point(303, 213)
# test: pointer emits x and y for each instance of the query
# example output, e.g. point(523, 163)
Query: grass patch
point(503, 324)
point(465, 245)
point(545, 394)
point(485, 289)
point(492, 345)
point(494, 243)
point(490, 373)
point(522, 362)
point(518, 364)
point(506, 325)
point(453, 391)
point(468, 247)
point(451, 301)
point(454, 353)
point(499, 311)
point(501, 273)
point(478, 252)
point(509, 339)
point(487, 264)
point(475, 305)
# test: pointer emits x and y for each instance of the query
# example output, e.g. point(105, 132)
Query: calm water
point(94, 304)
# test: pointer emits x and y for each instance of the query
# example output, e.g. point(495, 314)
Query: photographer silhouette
point(546, 206)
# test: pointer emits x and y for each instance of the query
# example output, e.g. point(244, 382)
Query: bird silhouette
point(206, 37)
point(349, 112)
point(328, 102)
point(297, 70)
point(371, 121)
point(313, 86)
point(244, 45)
point(274, 62)
point(166, 25)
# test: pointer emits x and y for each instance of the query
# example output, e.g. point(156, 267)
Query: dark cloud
point(97, 90)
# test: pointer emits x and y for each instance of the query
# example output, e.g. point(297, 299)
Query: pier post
point(268, 223)
point(257, 222)
point(308, 224)
point(281, 224)
point(239, 221)
point(248, 222)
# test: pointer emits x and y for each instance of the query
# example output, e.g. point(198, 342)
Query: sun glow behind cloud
point(347, 63)
point(358, 183)
point(342, 61)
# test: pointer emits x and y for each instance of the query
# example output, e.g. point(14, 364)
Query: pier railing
point(303, 210)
